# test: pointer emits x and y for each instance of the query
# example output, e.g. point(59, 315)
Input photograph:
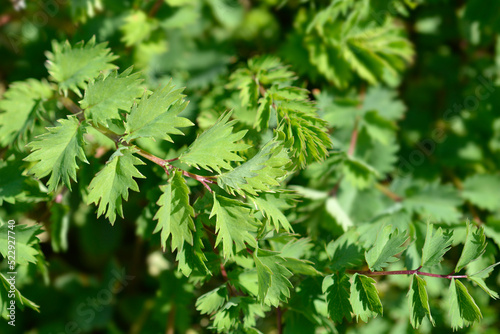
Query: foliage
point(330, 166)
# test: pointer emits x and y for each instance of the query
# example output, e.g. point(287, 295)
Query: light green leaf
point(234, 223)
point(436, 202)
point(137, 27)
point(274, 286)
point(21, 301)
point(364, 298)
point(479, 278)
point(215, 148)
point(25, 242)
point(379, 128)
point(175, 214)
point(336, 211)
point(19, 107)
point(107, 95)
point(385, 102)
point(475, 244)
point(272, 206)
point(74, 67)
point(385, 248)
point(212, 301)
point(260, 173)
point(463, 308)
point(358, 173)
point(156, 116)
point(345, 252)
point(482, 191)
point(437, 243)
point(55, 152)
point(419, 302)
point(337, 288)
point(112, 183)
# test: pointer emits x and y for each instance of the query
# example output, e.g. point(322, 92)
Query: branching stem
point(403, 272)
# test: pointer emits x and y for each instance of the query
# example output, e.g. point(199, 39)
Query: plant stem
point(279, 321)
point(403, 272)
point(395, 197)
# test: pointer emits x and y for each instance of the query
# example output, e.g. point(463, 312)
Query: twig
point(386, 191)
point(404, 272)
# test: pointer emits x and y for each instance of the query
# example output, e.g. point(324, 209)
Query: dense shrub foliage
point(275, 166)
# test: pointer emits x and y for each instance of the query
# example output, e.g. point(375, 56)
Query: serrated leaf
point(12, 181)
point(463, 308)
point(192, 258)
point(482, 191)
point(437, 243)
point(175, 214)
point(112, 183)
point(214, 148)
point(19, 107)
point(364, 298)
point(156, 116)
point(108, 94)
point(337, 288)
point(73, 67)
point(264, 112)
point(334, 208)
point(212, 301)
point(479, 278)
point(260, 173)
point(5, 299)
point(385, 248)
point(234, 223)
point(358, 173)
point(345, 252)
point(274, 286)
point(475, 244)
point(272, 206)
point(419, 302)
point(55, 152)
point(25, 241)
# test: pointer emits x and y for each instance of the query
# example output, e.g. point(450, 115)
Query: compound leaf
point(234, 223)
point(437, 243)
point(175, 214)
point(274, 285)
point(475, 244)
point(106, 95)
point(156, 116)
point(55, 152)
point(73, 67)
point(112, 183)
point(385, 248)
point(419, 302)
point(215, 147)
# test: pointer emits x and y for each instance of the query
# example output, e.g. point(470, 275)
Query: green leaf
point(21, 301)
point(19, 106)
point(234, 223)
point(156, 116)
point(112, 183)
point(479, 278)
point(272, 206)
point(108, 94)
point(437, 243)
point(274, 285)
point(345, 252)
point(260, 173)
point(215, 148)
point(385, 102)
point(73, 67)
point(482, 191)
point(55, 152)
point(358, 173)
point(337, 288)
point(175, 214)
point(25, 242)
point(12, 182)
point(334, 208)
point(385, 248)
point(212, 301)
point(137, 27)
point(379, 128)
point(435, 201)
point(364, 298)
point(191, 257)
point(463, 308)
point(419, 302)
point(475, 244)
